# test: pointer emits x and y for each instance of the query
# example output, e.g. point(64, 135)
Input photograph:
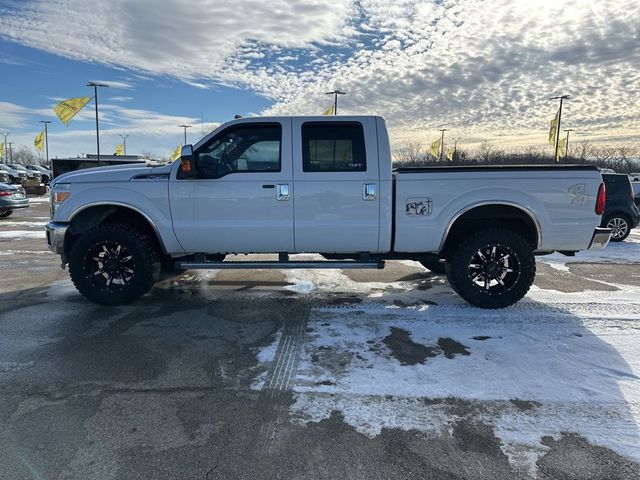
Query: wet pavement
point(311, 375)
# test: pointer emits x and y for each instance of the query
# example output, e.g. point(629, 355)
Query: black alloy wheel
point(113, 264)
point(493, 268)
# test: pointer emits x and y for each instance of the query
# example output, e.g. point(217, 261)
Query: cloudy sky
point(484, 69)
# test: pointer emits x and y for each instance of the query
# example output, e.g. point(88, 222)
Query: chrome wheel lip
point(110, 265)
point(619, 227)
point(494, 269)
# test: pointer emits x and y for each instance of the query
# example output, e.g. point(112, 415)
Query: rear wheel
point(493, 268)
point(6, 213)
point(619, 225)
point(113, 264)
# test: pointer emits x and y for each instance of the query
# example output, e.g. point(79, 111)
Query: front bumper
point(55, 236)
point(600, 238)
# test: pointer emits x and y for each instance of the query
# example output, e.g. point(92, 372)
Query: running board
point(258, 265)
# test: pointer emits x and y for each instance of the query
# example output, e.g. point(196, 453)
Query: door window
point(333, 147)
point(244, 148)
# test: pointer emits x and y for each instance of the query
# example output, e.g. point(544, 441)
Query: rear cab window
point(333, 147)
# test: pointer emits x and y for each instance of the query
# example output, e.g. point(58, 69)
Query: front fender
point(150, 199)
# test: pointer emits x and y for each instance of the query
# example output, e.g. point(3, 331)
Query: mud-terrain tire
point(620, 226)
point(113, 264)
point(6, 213)
point(493, 268)
point(434, 265)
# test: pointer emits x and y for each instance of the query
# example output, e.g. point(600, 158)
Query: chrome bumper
point(600, 238)
point(55, 236)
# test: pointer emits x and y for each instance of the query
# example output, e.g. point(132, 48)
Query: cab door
point(337, 188)
point(240, 201)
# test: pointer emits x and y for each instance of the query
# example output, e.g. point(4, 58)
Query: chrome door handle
point(369, 191)
point(282, 192)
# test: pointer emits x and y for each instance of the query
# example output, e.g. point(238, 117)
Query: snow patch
point(23, 234)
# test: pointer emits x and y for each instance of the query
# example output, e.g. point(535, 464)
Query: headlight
point(59, 193)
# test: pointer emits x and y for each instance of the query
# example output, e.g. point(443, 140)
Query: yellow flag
point(435, 148)
point(329, 111)
point(39, 141)
point(562, 144)
point(66, 109)
point(553, 128)
point(450, 152)
point(176, 153)
point(119, 149)
point(1, 151)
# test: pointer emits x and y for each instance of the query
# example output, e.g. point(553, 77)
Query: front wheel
point(113, 264)
point(619, 226)
point(493, 268)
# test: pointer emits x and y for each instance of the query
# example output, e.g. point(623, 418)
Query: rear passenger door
point(336, 185)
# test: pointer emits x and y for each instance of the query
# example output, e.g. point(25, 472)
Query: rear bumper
point(600, 238)
point(55, 236)
point(4, 206)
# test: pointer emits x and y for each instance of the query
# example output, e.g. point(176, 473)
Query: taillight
point(5, 193)
point(601, 200)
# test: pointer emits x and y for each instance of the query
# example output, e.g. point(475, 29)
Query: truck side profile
point(288, 185)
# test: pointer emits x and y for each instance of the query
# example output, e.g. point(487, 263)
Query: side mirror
point(187, 162)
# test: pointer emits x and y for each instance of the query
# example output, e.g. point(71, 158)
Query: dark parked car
point(11, 198)
point(620, 213)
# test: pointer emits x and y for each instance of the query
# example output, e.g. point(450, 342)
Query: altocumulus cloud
point(484, 67)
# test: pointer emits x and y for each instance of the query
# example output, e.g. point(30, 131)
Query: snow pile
point(569, 364)
point(17, 234)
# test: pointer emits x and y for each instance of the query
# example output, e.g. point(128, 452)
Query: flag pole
point(566, 146)
point(442, 143)
point(95, 98)
point(46, 138)
point(561, 97)
point(335, 94)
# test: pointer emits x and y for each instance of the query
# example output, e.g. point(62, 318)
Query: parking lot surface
point(323, 374)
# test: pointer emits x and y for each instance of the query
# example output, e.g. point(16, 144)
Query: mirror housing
point(187, 162)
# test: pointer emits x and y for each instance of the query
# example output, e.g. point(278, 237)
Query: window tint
point(333, 147)
point(245, 148)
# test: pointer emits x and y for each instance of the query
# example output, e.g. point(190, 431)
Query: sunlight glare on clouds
point(483, 67)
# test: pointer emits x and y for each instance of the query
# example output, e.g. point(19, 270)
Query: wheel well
point(478, 218)
point(101, 214)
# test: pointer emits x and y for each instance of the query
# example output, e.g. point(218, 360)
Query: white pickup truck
point(288, 185)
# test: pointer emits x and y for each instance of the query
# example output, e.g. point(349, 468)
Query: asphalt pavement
point(211, 376)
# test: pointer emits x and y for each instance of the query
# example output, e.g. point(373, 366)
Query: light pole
point(46, 137)
point(95, 98)
point(566, 146)
point(10, 152)
point(335, 94)
point(442, 142)
point(124, 143)
point(185, 132)
point(6, 152)
point(561, 98)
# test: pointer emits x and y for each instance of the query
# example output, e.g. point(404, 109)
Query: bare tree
point(25, 156)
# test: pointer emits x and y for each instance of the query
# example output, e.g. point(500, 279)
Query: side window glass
point(245, 148)
point(333, 147)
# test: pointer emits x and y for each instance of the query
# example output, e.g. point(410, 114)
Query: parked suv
point(46, 174)
point(33, 175)
point(15, 176)
point(620, 213)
